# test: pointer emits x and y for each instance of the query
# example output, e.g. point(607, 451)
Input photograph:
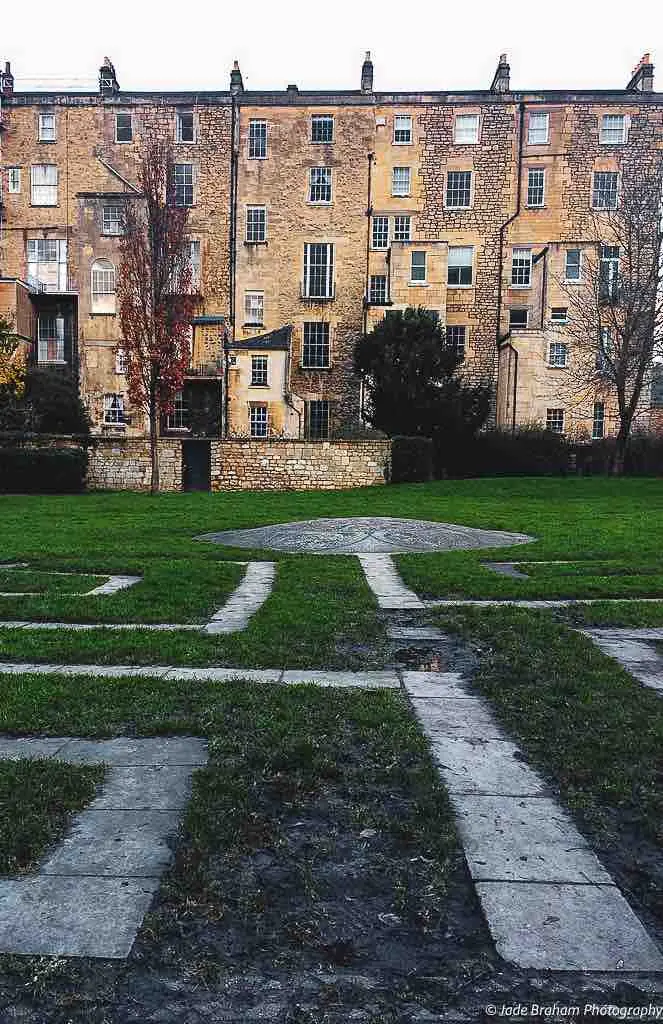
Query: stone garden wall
point(124, 464)
point(298, 465)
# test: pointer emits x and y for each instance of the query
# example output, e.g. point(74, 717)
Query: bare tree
point(615, 314)
point(154, 291)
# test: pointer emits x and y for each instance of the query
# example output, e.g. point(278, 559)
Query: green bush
point(527, 451)
point(42, 470)
point(51, 404)
point(411, 460)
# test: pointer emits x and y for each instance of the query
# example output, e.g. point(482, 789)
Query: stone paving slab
point(252, 675)
point(387, 586)
point(466, 717)
point(113, 584)
point(246, 599)
point(567, 927)
point(47, 915)
point(529, 839)
point(82, 627)
point(492, 767)
point(110, 671)
point(434, 684)
point(363, 680)
point(125, 751)
point(20, 748)
point(115, 842)
point(634, 650)
point(415, 633)
point(91, 892)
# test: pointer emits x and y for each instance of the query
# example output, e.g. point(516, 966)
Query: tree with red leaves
point(154, 292)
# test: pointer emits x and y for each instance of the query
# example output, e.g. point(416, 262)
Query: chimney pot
point(501, 78)
point(6, 81)
point(367, 74)
point(642, 79)
point(236, 83)
point(108, 83)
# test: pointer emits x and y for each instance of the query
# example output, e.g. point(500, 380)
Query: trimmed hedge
point(411, 460)
point(43, 470)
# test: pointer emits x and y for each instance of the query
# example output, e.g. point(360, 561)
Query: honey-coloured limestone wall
point(299, 465)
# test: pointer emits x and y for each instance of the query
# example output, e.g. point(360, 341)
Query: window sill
point(457, 209)
point(375, 248)
point(51, 362)
point(47, 142)
point(313, 369)
point(319, 202)
point(247, 242)
point(39, 206)
point(418, 284)
point(185, 142)
point(112, 234)
point(102, 314)
point(475, 142)
point(573, 281)
point(260, 387)
point(532, 206)
point(249, 157)
point(394, 143)
point(123, 142)
point(322, 142)
point(520, 287)
point(401, 195)
point(459, 287)
point(554, 366)
point(253, 325)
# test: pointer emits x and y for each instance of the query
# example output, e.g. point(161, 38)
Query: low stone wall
point(123, 464)
point(298, 465)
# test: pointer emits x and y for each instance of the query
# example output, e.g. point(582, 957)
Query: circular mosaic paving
point(363, 535)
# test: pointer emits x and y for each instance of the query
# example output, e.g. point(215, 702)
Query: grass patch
point(37, 801)
point(27, 580)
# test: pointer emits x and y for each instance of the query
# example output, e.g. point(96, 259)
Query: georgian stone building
point(312, 215)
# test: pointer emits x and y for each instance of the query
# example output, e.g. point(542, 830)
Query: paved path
point(549, 902)
point(91, 893)
point(246, 599)
point(633, 649)
point(387, 586)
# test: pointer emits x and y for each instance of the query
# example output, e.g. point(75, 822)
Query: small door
point(196, 465)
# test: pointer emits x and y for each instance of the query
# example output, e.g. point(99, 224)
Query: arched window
point(103, 287)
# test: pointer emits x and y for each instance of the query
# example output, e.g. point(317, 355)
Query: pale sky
point(415, 44)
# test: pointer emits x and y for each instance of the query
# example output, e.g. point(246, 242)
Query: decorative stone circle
point(362, 535)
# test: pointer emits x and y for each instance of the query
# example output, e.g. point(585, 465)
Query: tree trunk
point(154, 445)
point(621, 444)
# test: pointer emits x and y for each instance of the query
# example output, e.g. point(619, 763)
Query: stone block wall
point(123, 464)
point(299, 465)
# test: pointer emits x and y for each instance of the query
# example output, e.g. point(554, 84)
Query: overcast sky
point(416, 44)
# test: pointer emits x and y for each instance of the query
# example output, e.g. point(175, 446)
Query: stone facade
point(362, 180)
point(123, 464)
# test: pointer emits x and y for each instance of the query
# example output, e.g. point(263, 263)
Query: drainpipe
point(232, 269)
point(369, 211)
point(506, 224)
point(288, 393)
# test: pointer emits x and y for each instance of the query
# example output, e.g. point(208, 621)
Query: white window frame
point(262, 383)
point(572, 280)
point(531, 171)
point(459, 348)
point(176, 420)
point(124, 113)
point(519, 327)
point(107, 222)
point(120, 361)
point(533, 132)
point(56, 279)
point(254, 308)
point(195, 263)
point(402, 142)
point(399, 233)
point(325, 184)
point(319, 346)
point(454, 249)
point(102, 286)
point(606, 133)
point(561, 359)
point(372, 299)
point(50, 197)
point(603, 206)
point(42, 340)
point(13, 181)
point(552, 419)
point(179, 115)
point(382, 218)
point(470, 191)
point(520, 264)
point(394, 173)
point(559, 319)
point(252, 209)
point(598, 418)
point(48, 134)
point(418, 280)
point(114, 409)
point(183, 170)
point(324, 435)
point(250, 140)
point(320, 118)
point(329, 267)
point(259, 425)
point(473, 137)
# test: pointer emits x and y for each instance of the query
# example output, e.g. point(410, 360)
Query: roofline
point(339, 97)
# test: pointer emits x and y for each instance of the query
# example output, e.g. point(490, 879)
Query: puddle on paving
point(422, 659)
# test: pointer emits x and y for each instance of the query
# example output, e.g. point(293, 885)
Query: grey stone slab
point(18, 748)
point(506, 569)
point(211, 674)
point(363, 680)
point(450, 716)
point(415, 633)
point(654, 680)
point(567, 927)
point(485, 766)
point(387, 586)
point(46, 915)
point(14, 668)
point(365, 534)
point(628, 650)
point(637, 633)
point(115, 842)
point(111, 671)
point(246, 599)
point(113, 584)
point(157, 787)
point(434, 684)
point(524, 839)
point(126, 751)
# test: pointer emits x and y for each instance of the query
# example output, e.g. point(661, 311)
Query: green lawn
point(321, 613)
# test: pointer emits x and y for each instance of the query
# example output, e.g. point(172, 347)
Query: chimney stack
point(236, 83)
point(108, 83)
point(500, 81)
point(367, 73)
point(6, 81)
point(642, 79)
